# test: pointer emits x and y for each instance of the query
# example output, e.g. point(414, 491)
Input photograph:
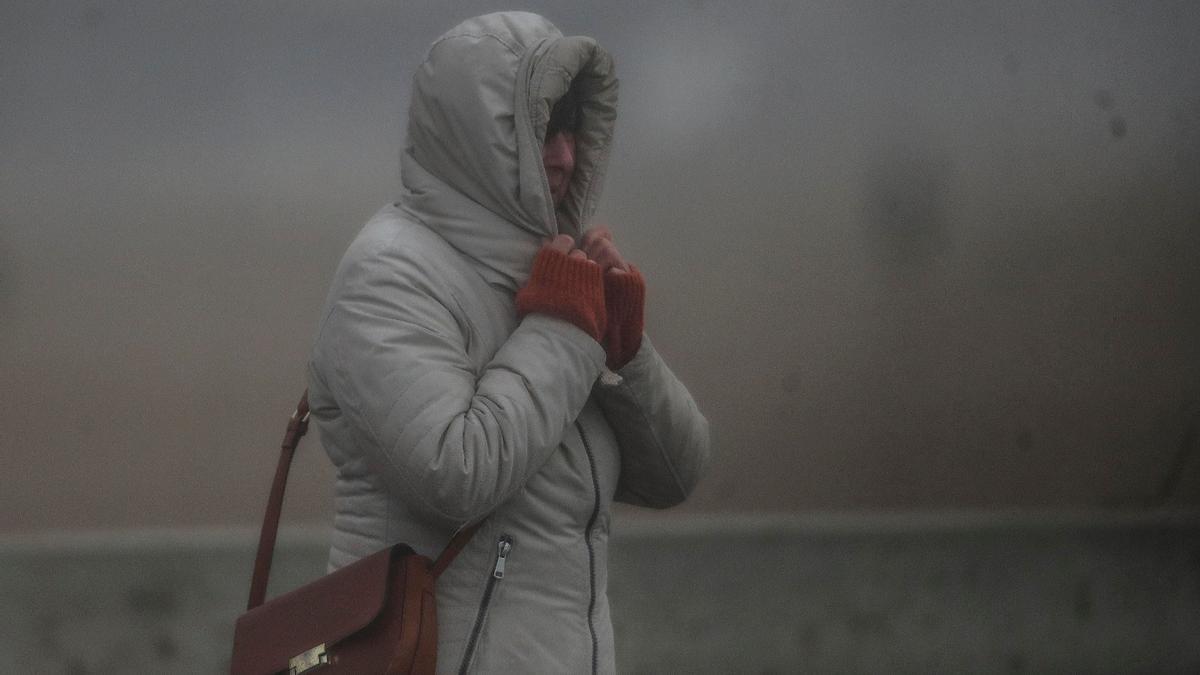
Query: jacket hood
point(472, 162)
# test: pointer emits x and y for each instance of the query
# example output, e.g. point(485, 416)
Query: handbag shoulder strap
point(296, 428)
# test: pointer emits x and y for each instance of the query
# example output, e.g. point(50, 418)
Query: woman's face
point(558, 156)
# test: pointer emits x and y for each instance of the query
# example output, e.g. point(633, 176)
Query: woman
point(464, 368)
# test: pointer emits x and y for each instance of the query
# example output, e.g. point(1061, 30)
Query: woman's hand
point(563, 283)
point(624, 296)
point(564, 244)
point(597, 244)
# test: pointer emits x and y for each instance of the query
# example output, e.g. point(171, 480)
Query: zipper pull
point(502, 549)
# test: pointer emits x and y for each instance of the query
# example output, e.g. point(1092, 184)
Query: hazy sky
point(905, 255)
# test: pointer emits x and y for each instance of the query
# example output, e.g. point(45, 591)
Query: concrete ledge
point(987, 592)
point(641, 524)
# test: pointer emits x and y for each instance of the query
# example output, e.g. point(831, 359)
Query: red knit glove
point(571, 289)
point(625, 301)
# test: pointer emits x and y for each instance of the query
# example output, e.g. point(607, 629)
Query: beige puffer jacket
point(439, 408)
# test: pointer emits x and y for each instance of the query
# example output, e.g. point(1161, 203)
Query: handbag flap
point(325, 611)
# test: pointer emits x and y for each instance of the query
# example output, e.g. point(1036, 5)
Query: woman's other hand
point(624, 296)
point(597, 243)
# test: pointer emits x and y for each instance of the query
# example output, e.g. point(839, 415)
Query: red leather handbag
point(376, 615)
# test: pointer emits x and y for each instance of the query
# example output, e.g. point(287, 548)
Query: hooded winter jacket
point(439, 407)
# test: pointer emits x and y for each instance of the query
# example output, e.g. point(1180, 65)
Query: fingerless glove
point(624, 301)
point(566, 288)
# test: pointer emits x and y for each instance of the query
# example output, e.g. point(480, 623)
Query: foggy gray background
point(918, 255)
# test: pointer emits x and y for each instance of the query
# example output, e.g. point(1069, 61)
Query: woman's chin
point(558, 194)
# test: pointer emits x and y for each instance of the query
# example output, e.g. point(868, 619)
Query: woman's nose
point(559, 152)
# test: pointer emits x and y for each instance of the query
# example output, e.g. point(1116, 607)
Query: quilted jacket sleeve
point(662, 435)
point(457, 442)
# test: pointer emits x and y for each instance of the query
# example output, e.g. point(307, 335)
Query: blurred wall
point(905, 255)
point(976, 593)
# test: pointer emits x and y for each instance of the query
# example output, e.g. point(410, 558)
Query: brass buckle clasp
point(308, 660)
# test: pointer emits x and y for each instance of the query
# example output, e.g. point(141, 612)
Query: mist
point(931, 255)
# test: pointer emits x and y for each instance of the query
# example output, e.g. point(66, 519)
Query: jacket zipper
point(587, 536)
point(503, 548)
